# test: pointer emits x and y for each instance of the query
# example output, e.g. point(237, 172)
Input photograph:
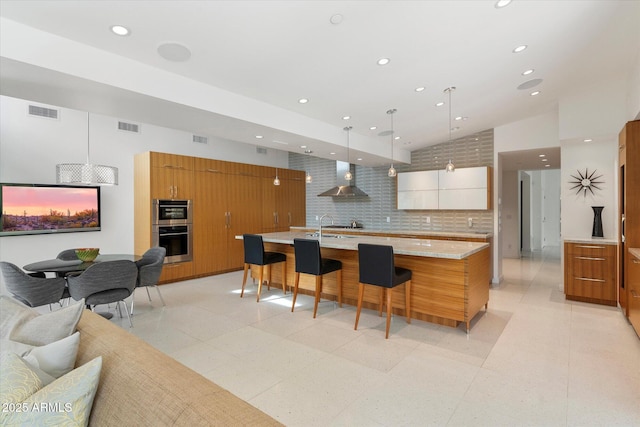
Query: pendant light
point(308, 179)
point(450, 167)
point(392, 171)
point(86, 173)
point(276, 181)
point(348, 175)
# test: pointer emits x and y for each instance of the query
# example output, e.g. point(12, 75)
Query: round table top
point(66, 266)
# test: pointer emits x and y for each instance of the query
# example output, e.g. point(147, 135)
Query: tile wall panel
point(373, 211)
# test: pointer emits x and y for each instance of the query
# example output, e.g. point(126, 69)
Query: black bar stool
point(377, 268)
point(310, 261)
point(254, 254)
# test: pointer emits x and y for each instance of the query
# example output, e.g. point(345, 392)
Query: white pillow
point(57, 358)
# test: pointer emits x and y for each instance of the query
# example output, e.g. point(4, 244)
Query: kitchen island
point(450, 282)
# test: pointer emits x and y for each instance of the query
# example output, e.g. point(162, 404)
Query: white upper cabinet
point(418, 190)
point(464, 189)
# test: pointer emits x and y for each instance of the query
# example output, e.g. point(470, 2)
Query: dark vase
point(597, 221)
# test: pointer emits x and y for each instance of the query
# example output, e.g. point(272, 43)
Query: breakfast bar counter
point(450, 282)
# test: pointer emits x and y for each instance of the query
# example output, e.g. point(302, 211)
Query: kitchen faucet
point(320, 231)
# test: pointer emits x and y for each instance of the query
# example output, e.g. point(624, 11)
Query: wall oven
point(172, 229)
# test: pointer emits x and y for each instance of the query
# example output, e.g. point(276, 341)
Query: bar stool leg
point(244, 278)
point(407, 298)
point(388, 291)
point(360, 295)
point(318, 290)
point(295, 291)
point(269, 278)
point(260, 283)
point(381, 301)
point(339, 280)
point(284, 277)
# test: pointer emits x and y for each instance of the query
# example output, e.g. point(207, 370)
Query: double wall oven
point(172, 229)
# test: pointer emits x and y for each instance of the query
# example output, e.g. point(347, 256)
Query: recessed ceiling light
point(527, 72)
point(537, 92)
point(546, 166)
point(346, 117)
point(542, 155)
point(174, 52)
point(303, 146)
point(439, 104)
point(303, 101)
point(383, 61)
point(502, 3)
point(359, 159)
point(373, 128)
point(588, 140)
point(120, 30)
point(520, 48)
point(396, 138)
point(335, 19)
point(259, 136)
point(419, 89)
point(545, 160)
point(332, 153)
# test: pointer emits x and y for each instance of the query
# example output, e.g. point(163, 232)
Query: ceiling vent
point(129, 127)
point(200, 139)
point(261, 150)
point(48, 113)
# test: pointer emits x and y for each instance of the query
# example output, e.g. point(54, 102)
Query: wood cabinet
point(464, 189)
point(590, 272)
point(228, 199)
point(633, 284)
point(171, 176)
point(628, 206)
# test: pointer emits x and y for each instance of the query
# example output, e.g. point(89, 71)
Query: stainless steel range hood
point(344, 188)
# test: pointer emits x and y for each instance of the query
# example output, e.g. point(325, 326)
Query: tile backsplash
point(378, 211)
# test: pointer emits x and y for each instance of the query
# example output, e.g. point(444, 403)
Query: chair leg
point(381, 301)
point(388, 291)
point(125, 310)
point(146, 288)
point(160, 295)
point(133, 299)
point(318, 291)
point(284, 277)
point(339, 280)
point(244, 278)
point(360, 296)
point(269, 277)
point(407, 298)
point(260, 283)
point(295, 291)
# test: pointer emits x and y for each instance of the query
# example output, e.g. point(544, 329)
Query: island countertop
point(399, 233)
point(401, 246)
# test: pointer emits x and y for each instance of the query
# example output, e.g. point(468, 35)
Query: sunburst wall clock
point(586, 182)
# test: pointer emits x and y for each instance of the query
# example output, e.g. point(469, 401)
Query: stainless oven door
point(176, 239)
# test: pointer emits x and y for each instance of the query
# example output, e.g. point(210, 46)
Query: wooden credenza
point(590, 271)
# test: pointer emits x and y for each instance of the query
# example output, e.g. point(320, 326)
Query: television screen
point(40, 208)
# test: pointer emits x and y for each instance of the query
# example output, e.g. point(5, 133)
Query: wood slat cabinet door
point(633, 284)
point(210, 221)
point(244, 201)
point(268, 210)
point(590, 273)
point(171, 176)
point(293, 207)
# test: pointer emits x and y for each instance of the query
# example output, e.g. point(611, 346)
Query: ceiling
point(266, 55)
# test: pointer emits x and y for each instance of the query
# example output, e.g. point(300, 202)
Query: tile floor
point(532, 359)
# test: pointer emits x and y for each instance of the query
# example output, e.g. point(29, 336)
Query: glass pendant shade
point(450, 166)
point(276, 181)
point(308, 179)
point(392, 171)
point(348, 175)
point(86, 173)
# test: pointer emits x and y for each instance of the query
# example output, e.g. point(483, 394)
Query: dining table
point(58, 266)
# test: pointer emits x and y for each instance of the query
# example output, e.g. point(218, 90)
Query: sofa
point(141, 386)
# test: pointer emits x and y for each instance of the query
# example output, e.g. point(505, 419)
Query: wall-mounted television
point(43, 208)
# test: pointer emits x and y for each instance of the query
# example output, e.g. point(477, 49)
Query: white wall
point(551, 221)
point(30, 148)
point(577, 214)
point(510, 215)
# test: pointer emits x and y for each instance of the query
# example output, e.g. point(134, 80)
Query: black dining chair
point(377, 268)
point(105, 282)
point(309, 261)
point(254, 254)
point(33, 290)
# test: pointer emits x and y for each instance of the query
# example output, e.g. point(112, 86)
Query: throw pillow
point(66, 401)
point(57, 358)
point(17, 381)
point(25, 325)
